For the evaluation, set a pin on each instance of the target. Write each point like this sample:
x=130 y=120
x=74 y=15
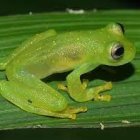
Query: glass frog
x=49 y=52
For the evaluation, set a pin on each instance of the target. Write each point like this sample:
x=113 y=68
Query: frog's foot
x=103 y=98
x=72 y=111
x=69 y=113
x=100 y=89
x=76 y=110
x=34 y=101
x=62 y=86
x=85 y=83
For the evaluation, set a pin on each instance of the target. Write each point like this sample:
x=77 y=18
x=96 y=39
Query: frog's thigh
x=40 y=96
x=23 y=98
x=37 y=90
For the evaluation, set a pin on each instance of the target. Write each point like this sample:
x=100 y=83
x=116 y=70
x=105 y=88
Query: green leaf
x=122 y=110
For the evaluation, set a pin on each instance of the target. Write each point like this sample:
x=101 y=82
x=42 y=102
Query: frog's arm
x=78 y=90
x=30 y=42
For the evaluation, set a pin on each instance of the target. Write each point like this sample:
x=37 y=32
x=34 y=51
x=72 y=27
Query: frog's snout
x=130 y=52
x=133 y=51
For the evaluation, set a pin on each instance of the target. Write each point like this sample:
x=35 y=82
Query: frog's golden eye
x=117 y=51
x=121 y=27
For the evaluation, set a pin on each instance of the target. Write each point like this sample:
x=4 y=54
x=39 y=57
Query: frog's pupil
x=119 y=51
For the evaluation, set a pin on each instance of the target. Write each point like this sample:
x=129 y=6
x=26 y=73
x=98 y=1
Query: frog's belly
x=42 y=71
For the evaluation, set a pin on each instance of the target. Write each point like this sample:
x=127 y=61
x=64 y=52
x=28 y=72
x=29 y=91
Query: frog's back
x=25 y=45
x=53 y=46
x=57 y=53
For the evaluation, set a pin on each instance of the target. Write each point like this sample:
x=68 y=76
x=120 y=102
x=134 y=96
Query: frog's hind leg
x=26 y=99
x=32 y=95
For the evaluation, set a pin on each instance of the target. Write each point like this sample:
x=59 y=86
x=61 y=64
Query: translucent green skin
x=48 y=53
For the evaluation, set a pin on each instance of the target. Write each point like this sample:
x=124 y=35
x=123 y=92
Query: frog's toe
x=85 y=83
x=72 y=116
x=108 y=85
x=62 y=86
x=103 y=98
x=75 y=110
x=71 y=112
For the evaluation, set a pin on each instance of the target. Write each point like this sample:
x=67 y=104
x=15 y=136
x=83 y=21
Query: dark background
x=71 y=134
x=8 y=7
x=12 y=7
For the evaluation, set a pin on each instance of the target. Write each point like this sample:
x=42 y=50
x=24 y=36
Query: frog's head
x=117 y=49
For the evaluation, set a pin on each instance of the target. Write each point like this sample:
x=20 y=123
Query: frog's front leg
x=79 y=91
x=32 y=95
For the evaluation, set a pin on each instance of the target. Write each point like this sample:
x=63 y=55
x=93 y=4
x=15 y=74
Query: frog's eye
x=121 y=27
x=117 y=51
x=116 y=28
